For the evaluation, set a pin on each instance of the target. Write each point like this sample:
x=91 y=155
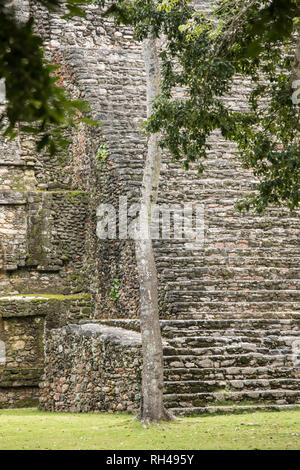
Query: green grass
x=33 y=429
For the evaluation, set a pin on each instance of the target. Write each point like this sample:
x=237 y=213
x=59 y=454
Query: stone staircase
x=239 y=364
x=229 y=364
x=230 y=310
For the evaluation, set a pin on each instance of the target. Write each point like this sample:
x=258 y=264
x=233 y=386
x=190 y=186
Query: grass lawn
x=33 y=429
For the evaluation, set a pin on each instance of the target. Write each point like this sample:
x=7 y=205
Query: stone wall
x=22 y=359
x=105 y=66
x=91 y=368
x=48 y=272
x=23 y=323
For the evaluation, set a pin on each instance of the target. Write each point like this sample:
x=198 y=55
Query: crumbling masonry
x=229 y=311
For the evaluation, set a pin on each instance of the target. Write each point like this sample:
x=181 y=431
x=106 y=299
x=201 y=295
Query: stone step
x=211 y=156
x=210 y=336
x=192 y=308
x=170 y=192
x=225 y=259
x=197 y=386
x=170 y=174
x=194 y=411
x=199 y=187
x=217 y=262
x=234 y=349
x=59 y=309
x=232 y=285
x=24 y=281
x=223 y=240
x=250 y=228
x=215 y=199
x=183 y=374
x=211 y=242
x=222 y=231
x=226 y=239
x=12 y=198
x=195 y=327
x=216 y=177
x=265 y=397
x=227 y=296
x=175 y=250
x=258 y=338
x=251 y=359
x=218 y=328
x=224 y=161
x=225 y=273
x=20 y=377
x=240 y=314
x=223 y=214
x=212 y=182
x=17 y=162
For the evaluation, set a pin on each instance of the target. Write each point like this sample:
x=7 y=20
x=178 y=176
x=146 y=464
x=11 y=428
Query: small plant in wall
x=115 y=290
x=101 y=155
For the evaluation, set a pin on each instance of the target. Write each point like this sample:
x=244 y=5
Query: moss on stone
x=45 y=297
x=26 y=403
x=9 y=376
x=77 y=197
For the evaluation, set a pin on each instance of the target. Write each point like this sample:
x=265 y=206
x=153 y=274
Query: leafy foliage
x=252 y=39
x=101 y=155
x=34 y=101
x=115 y=290
x=203 y=54
x=72 y=6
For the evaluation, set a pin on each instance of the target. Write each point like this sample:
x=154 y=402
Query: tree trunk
x=152 y=408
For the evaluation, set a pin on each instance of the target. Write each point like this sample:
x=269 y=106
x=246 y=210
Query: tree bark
x=152 y=407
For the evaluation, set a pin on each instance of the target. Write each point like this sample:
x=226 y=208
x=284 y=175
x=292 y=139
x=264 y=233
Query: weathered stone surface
x=230 y=310
x=92 y=368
